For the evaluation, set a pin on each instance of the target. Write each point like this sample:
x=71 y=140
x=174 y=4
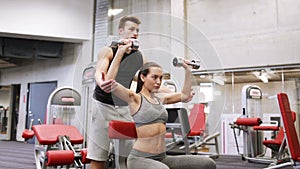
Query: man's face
x=130 y=31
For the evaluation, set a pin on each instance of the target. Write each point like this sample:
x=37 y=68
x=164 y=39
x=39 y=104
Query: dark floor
x=235 y=162
x=19 y=155
x=16 y=155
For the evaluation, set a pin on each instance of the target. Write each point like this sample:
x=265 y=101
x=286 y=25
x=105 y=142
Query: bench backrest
x=289 y=127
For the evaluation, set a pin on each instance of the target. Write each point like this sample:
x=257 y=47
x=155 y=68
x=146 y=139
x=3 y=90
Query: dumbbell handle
x=178 y=61
x=134 y=46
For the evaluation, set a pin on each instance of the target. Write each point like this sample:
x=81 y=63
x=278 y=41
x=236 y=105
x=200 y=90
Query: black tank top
x=129 y=65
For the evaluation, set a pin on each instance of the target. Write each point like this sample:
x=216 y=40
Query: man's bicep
x=102 y=65
x=104 y=58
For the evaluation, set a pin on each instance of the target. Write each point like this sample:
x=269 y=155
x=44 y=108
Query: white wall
x=67 y=72
x=60 y=20
x=221 y=34
x=69 y=20
x=247 y=33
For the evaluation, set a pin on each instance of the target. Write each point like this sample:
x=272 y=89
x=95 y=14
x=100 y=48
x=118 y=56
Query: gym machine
x=251 y=124
x=59 y=141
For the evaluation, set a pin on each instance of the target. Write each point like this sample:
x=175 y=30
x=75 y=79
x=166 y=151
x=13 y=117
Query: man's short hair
x=124 y=19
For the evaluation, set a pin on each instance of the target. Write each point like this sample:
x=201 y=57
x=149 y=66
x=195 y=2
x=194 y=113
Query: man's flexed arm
x=109 y=64
x=115 y=63
x=104 y=58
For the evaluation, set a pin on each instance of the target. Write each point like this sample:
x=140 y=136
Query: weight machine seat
x=48 y=134
x=248 y=121
x=119 y=132
x=122 y=130
x=275 y=143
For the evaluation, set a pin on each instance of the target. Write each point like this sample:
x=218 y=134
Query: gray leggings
x=170 y=162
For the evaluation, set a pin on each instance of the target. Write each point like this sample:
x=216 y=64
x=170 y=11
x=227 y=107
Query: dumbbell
x=114 y=42
x=178 y=61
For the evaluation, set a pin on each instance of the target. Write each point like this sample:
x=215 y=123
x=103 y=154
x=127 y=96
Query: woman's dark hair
x=144 y=70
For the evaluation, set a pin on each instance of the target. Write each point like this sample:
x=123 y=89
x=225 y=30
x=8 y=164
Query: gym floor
x=19 y=155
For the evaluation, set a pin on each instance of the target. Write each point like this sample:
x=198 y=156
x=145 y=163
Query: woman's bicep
x=125 y=94
x=171 y=98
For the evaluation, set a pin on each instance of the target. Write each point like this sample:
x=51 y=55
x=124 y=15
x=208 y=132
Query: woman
x=150 y=116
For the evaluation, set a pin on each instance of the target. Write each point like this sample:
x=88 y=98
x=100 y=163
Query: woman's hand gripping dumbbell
x=177 y=61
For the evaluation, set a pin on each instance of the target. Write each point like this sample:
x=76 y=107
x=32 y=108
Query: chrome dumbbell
x=178 y=61
x=114 y=42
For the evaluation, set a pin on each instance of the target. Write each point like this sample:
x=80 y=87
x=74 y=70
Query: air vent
x=29 y=49
x=48 y=50
x=18 y=48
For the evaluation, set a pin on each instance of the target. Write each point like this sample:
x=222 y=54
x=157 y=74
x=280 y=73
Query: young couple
x=115 y=101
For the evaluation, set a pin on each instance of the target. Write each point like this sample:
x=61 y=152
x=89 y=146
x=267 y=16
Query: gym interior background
x=237 y=42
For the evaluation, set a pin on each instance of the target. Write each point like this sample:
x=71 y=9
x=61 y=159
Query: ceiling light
x=202 y=76
x=262 y=75
x=113 y=12
x=263 y=78
x=219 y=80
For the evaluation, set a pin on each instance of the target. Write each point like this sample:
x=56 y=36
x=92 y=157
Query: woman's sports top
x=150 y=113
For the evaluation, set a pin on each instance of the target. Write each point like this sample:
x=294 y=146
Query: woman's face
x=153 y=79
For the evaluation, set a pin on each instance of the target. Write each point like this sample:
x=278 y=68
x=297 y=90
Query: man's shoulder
x=105 y=49
x=105 y=52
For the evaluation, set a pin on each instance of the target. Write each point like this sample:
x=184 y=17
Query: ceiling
x=249 y=75
x=6 y=64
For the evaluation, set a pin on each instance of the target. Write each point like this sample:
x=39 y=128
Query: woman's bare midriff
x=151 y=138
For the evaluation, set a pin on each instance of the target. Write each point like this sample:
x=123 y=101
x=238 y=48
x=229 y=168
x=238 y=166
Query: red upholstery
x=59 y=157
x=121 y=130
x=289 y=127
x=83 y=153
x=270 y=128
x=27 y=134
x=47 y=134
x=197 y=120
x=276 y=143
x=248 y=121
x=169 y=135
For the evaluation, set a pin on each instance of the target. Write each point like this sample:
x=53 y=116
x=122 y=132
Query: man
x=107 y=106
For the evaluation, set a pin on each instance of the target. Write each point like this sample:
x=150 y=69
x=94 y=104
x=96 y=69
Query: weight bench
x=119 y=132
x=244 y=124
x=278 y=144
x=57 y=145
x=290 y=133
x=191 y=126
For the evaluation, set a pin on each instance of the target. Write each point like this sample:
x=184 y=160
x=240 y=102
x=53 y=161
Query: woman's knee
x=210 y=164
